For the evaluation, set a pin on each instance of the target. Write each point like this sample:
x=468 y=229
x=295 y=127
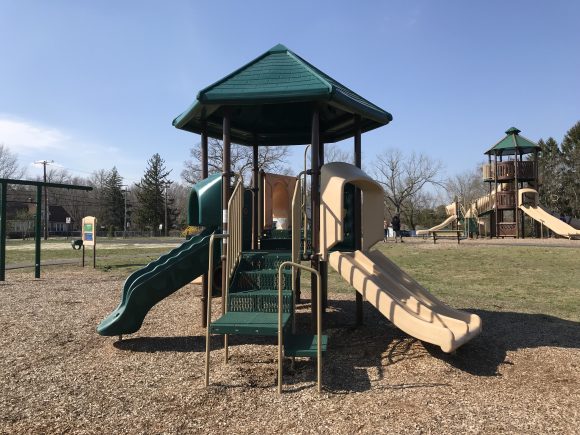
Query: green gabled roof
x=512 y=142
x=270 y=102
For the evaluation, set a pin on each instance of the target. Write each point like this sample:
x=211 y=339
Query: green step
x=245 y=323
x=265 y=301
x=263 y=279
x=303 y=345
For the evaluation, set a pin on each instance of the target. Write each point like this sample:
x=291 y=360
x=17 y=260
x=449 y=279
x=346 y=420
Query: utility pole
x=44 y=163
x=125 y=214
x=165 y=227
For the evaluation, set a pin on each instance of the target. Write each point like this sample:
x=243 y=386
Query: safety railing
x=234 y=241
x=506 y=200
x=488 y=171
x=318 y=322
x=485 y=203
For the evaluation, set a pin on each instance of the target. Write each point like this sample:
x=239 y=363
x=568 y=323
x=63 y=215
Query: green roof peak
x=513 y=130
x=513 y=143
x=279 y=48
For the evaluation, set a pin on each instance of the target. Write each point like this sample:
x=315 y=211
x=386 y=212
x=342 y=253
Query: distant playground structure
x=513 y=182
x=281 y=99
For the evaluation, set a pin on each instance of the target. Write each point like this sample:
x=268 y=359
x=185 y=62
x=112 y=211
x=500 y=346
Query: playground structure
x=513 y=191
x=280 y=99
x=513 y=194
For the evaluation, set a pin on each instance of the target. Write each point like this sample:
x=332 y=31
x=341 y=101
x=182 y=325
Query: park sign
x=89 y=231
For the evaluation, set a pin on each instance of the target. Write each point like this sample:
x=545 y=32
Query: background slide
x=154 y=282
x=438 y=227
x=402 y=300
x=552 y=222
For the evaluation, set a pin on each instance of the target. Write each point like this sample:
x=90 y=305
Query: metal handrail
x=235 y=212
x=209 y=297
x=318 y=323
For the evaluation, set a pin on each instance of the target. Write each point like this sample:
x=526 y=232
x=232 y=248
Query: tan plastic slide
x=402 y=300
x=442 y=225
x=550 y=221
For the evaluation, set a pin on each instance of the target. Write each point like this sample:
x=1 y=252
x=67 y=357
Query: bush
x=190 y=231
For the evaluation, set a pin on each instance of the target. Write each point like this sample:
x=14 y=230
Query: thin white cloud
x=24 y=137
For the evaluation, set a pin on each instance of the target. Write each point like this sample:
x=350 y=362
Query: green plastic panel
x=348 y=242
x=205 y=202
x=245 y=323
x=304 y=345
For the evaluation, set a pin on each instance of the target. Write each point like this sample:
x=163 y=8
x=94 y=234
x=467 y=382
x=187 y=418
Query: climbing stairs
x=252 y=304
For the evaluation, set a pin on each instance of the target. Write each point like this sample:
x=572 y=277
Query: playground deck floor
x=521 y=375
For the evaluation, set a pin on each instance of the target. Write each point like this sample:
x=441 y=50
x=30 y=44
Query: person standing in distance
x=396 y=223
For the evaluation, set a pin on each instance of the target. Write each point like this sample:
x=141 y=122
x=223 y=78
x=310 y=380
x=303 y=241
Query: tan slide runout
x=402 y=300
x=552 y=222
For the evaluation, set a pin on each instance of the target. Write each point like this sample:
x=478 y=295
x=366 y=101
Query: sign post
x=89 y=234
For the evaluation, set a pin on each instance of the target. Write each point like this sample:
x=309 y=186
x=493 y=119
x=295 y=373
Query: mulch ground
x=57 y=375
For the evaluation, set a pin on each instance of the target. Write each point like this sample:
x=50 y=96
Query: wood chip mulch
x=59 y=376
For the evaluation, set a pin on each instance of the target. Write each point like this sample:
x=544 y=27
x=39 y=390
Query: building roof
x=512 y=142
x=270 y=101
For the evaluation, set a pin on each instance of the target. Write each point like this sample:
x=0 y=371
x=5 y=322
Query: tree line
x=414 y=185
x=559 y=165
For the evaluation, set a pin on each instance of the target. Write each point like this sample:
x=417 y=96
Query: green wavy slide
x=147 y=286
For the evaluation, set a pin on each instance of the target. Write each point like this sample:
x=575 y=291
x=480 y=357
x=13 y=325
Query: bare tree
x=332 y=153
x=270 y=158
x=467 y=186
x=9 y=167
x=403 y=177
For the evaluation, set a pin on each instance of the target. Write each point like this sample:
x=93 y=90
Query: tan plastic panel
x=333 y=177
x=402 y=300
x=277 y=199
x=550 y=221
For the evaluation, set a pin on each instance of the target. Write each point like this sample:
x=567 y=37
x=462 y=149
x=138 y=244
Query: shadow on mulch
x=190 y=343
x=378 y=344
x=509 y=331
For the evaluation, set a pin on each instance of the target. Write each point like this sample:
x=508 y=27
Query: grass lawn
x=123 y=255
x=528 y=279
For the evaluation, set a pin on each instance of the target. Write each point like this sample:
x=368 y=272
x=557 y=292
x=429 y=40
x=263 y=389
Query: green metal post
x=3 y=187
x=37 y=232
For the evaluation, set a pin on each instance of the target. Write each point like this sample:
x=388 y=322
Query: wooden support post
x=357 y=212
x=495 y=212
x=255 y=195
x=315 y=207
x=516 y=190
x=204 y=175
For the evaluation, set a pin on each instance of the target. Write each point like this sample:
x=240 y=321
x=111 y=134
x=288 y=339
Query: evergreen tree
x=151 y=193
x=571 y=170
x=550 y=169
x=112 y=196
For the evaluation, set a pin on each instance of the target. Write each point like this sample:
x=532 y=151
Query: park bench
x=439 y=234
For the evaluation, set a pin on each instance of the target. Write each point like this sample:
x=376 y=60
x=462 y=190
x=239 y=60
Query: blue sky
x=96 y=84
